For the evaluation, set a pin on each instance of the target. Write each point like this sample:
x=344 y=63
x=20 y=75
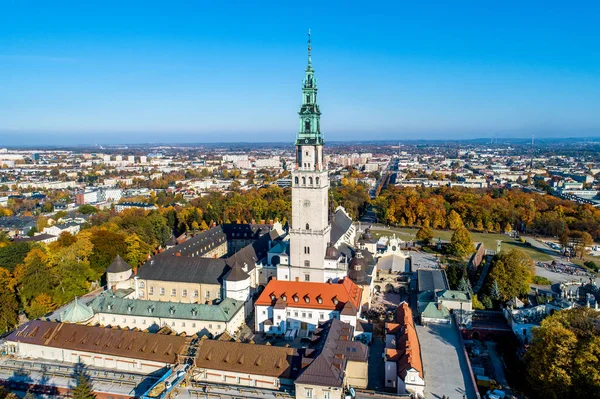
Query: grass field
x=488 y=239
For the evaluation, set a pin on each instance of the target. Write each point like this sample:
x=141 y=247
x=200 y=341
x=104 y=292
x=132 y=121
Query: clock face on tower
x=306 y=203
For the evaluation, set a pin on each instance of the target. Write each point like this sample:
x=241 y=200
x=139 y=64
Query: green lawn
x=488 y=239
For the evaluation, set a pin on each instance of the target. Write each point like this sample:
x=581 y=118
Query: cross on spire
x=309 y=48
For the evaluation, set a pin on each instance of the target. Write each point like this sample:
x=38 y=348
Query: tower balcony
x=311 y=232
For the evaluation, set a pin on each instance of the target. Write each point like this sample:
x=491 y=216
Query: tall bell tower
x=310 y=229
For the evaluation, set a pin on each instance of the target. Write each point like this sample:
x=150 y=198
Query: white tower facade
x=310 y=228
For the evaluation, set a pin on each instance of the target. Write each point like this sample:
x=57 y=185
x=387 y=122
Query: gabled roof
x=408 y=356
x=244 y=358
x=236 y=273
x=184 y=269
x=118 y=265
x=334 y=349
x=126 y=343
x=331 y=296
x=111 y=304
x=432 y=280
x=340 y=224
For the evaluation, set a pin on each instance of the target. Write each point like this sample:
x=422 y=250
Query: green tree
x=495 y=291
x=40 y=305
x=465 y=285
x=13 y=254
x=83 y=389
x=512 y=272
x=34 y=276
x=8 y=299
x=461 y=243
x=87 y=209
x=425 y=235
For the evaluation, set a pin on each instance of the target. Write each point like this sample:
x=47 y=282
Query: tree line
x=486 y=210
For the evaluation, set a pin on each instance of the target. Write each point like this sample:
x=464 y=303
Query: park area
x=488 y=239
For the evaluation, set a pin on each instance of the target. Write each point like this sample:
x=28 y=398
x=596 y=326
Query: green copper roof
x=310 y=114
x=454 y=295
x=76 y=312
x=432 y=312
x=224 y=311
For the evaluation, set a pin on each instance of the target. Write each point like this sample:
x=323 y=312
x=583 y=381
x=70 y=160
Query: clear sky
x=168 y=71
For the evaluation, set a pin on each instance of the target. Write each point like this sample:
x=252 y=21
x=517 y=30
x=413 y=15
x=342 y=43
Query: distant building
x=120 y=207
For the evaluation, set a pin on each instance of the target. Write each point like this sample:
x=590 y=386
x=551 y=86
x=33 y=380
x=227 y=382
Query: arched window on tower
x=317 y=180
x=296 y=180
x=307 y=226
x=304 y=180
x=310 y=181
x=308 y=99
x=307 y=125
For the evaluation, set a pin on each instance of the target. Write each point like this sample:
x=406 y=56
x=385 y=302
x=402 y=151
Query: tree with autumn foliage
x=425 y=235
x=563 y=356
x=8 y=300
x=461 y=243
x=510 y=275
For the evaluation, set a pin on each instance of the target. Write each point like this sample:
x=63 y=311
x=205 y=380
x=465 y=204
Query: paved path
x=444 y=363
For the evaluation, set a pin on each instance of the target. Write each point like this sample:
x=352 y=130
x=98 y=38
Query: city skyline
x=188 y=75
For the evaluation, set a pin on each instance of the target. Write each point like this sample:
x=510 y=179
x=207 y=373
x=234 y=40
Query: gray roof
x=197 y=245
x=177 y=264
x=118 y=265
x=37 y=238
x=432 y=280
x=16 y=222
x=183 y=269
x=393 y=262
x=236 y=273
x=340 y=224
x=111 y=304
x=334 y=348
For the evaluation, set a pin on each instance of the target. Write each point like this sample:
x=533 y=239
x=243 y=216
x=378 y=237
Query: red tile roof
x=302 y=294
x=408 y=342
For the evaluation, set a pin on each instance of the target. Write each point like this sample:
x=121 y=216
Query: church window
x=307 y=98
x=296 y=180
x=307 y=125
x=307 y=226
x=142 y=285
x=317 y=180
x=306 y=263
x=304 y=178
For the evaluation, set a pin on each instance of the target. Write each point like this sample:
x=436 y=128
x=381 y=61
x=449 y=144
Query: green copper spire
x=310 y=114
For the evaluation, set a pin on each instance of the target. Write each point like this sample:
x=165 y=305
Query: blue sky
x=99 y=72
